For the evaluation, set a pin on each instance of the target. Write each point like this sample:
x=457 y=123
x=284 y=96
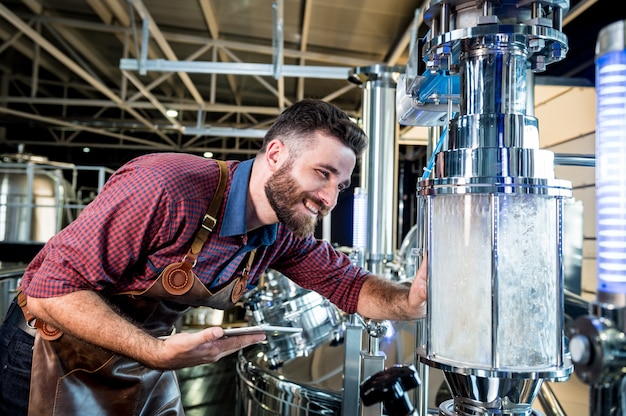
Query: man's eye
x=324 y=173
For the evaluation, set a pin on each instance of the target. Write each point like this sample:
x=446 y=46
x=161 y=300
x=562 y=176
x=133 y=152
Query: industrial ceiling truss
x=196 y=75
x=107 y=74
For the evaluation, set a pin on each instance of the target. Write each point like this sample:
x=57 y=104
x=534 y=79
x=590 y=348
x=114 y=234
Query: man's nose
x=328 y=195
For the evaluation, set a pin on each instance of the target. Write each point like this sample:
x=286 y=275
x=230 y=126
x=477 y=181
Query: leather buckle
x=211 y=222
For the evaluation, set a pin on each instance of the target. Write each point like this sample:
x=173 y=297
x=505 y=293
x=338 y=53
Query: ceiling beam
x=18 y=44
x=74 y=126
x=188 y=106
x=211 y=22
x=155 y=31
x=260 y=80
x=304 y=40
x=78 y=47
x=161 y=65
x=278 y=46
x=155 y=102
x=114 y=12
x=342 y=60
x=34 y=5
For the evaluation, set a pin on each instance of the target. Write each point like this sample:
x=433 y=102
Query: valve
x=390 y=387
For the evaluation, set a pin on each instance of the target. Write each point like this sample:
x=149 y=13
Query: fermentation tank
x=38 y=198
x=492 y=207
x=34 y=198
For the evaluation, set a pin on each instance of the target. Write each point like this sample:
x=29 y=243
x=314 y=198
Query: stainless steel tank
x=309 y=385
x=493 y=219
x=33 y=199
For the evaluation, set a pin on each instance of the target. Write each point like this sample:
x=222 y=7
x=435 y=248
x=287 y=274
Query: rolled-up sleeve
x=315 y=265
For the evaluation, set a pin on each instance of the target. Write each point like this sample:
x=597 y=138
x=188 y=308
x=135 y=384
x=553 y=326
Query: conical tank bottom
x=475 y=395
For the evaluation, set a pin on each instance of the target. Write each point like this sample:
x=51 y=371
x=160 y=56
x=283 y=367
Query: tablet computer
x=262 y=329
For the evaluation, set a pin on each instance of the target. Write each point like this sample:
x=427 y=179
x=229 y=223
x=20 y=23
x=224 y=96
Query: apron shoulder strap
x=210 y=218
x=177 y=278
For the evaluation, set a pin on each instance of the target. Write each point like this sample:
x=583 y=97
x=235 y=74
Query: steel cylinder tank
x=33 y=199
x=493 y=221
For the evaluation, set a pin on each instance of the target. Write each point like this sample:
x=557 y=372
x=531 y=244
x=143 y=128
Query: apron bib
x=71 y=377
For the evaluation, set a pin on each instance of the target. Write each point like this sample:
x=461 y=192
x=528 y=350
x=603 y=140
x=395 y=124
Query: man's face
x=305 y=188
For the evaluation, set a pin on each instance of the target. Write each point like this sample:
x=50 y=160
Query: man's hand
x=187 y=349
x=418 y=293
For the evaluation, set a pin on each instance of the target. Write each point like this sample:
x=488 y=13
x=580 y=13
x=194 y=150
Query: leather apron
x=71 y=377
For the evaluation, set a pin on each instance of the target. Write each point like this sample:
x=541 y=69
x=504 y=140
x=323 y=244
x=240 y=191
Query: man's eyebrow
x=335 y=172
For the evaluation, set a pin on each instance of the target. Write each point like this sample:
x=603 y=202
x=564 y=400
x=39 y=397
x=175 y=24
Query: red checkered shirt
x=145 y=218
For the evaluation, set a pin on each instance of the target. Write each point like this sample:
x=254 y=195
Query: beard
x=284 y=194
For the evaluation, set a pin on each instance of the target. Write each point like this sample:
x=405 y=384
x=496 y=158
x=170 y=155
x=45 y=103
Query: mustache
x=323 y=210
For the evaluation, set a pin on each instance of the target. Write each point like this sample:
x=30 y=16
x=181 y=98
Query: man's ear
x=275 y=154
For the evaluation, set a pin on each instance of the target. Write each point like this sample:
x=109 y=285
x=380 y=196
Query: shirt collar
x=234 y=219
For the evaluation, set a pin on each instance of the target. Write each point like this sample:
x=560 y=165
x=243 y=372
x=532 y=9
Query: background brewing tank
x=33 y=199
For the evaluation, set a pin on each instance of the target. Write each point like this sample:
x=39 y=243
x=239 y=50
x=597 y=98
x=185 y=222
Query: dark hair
x=300 y=120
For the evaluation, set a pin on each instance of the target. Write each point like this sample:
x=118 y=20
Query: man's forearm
x=86 y=316
x=383 y=299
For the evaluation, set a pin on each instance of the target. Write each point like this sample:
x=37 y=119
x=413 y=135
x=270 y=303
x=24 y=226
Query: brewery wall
x=567 y=123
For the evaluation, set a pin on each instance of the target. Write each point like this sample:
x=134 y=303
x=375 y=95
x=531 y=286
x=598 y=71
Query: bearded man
x=91 y=330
